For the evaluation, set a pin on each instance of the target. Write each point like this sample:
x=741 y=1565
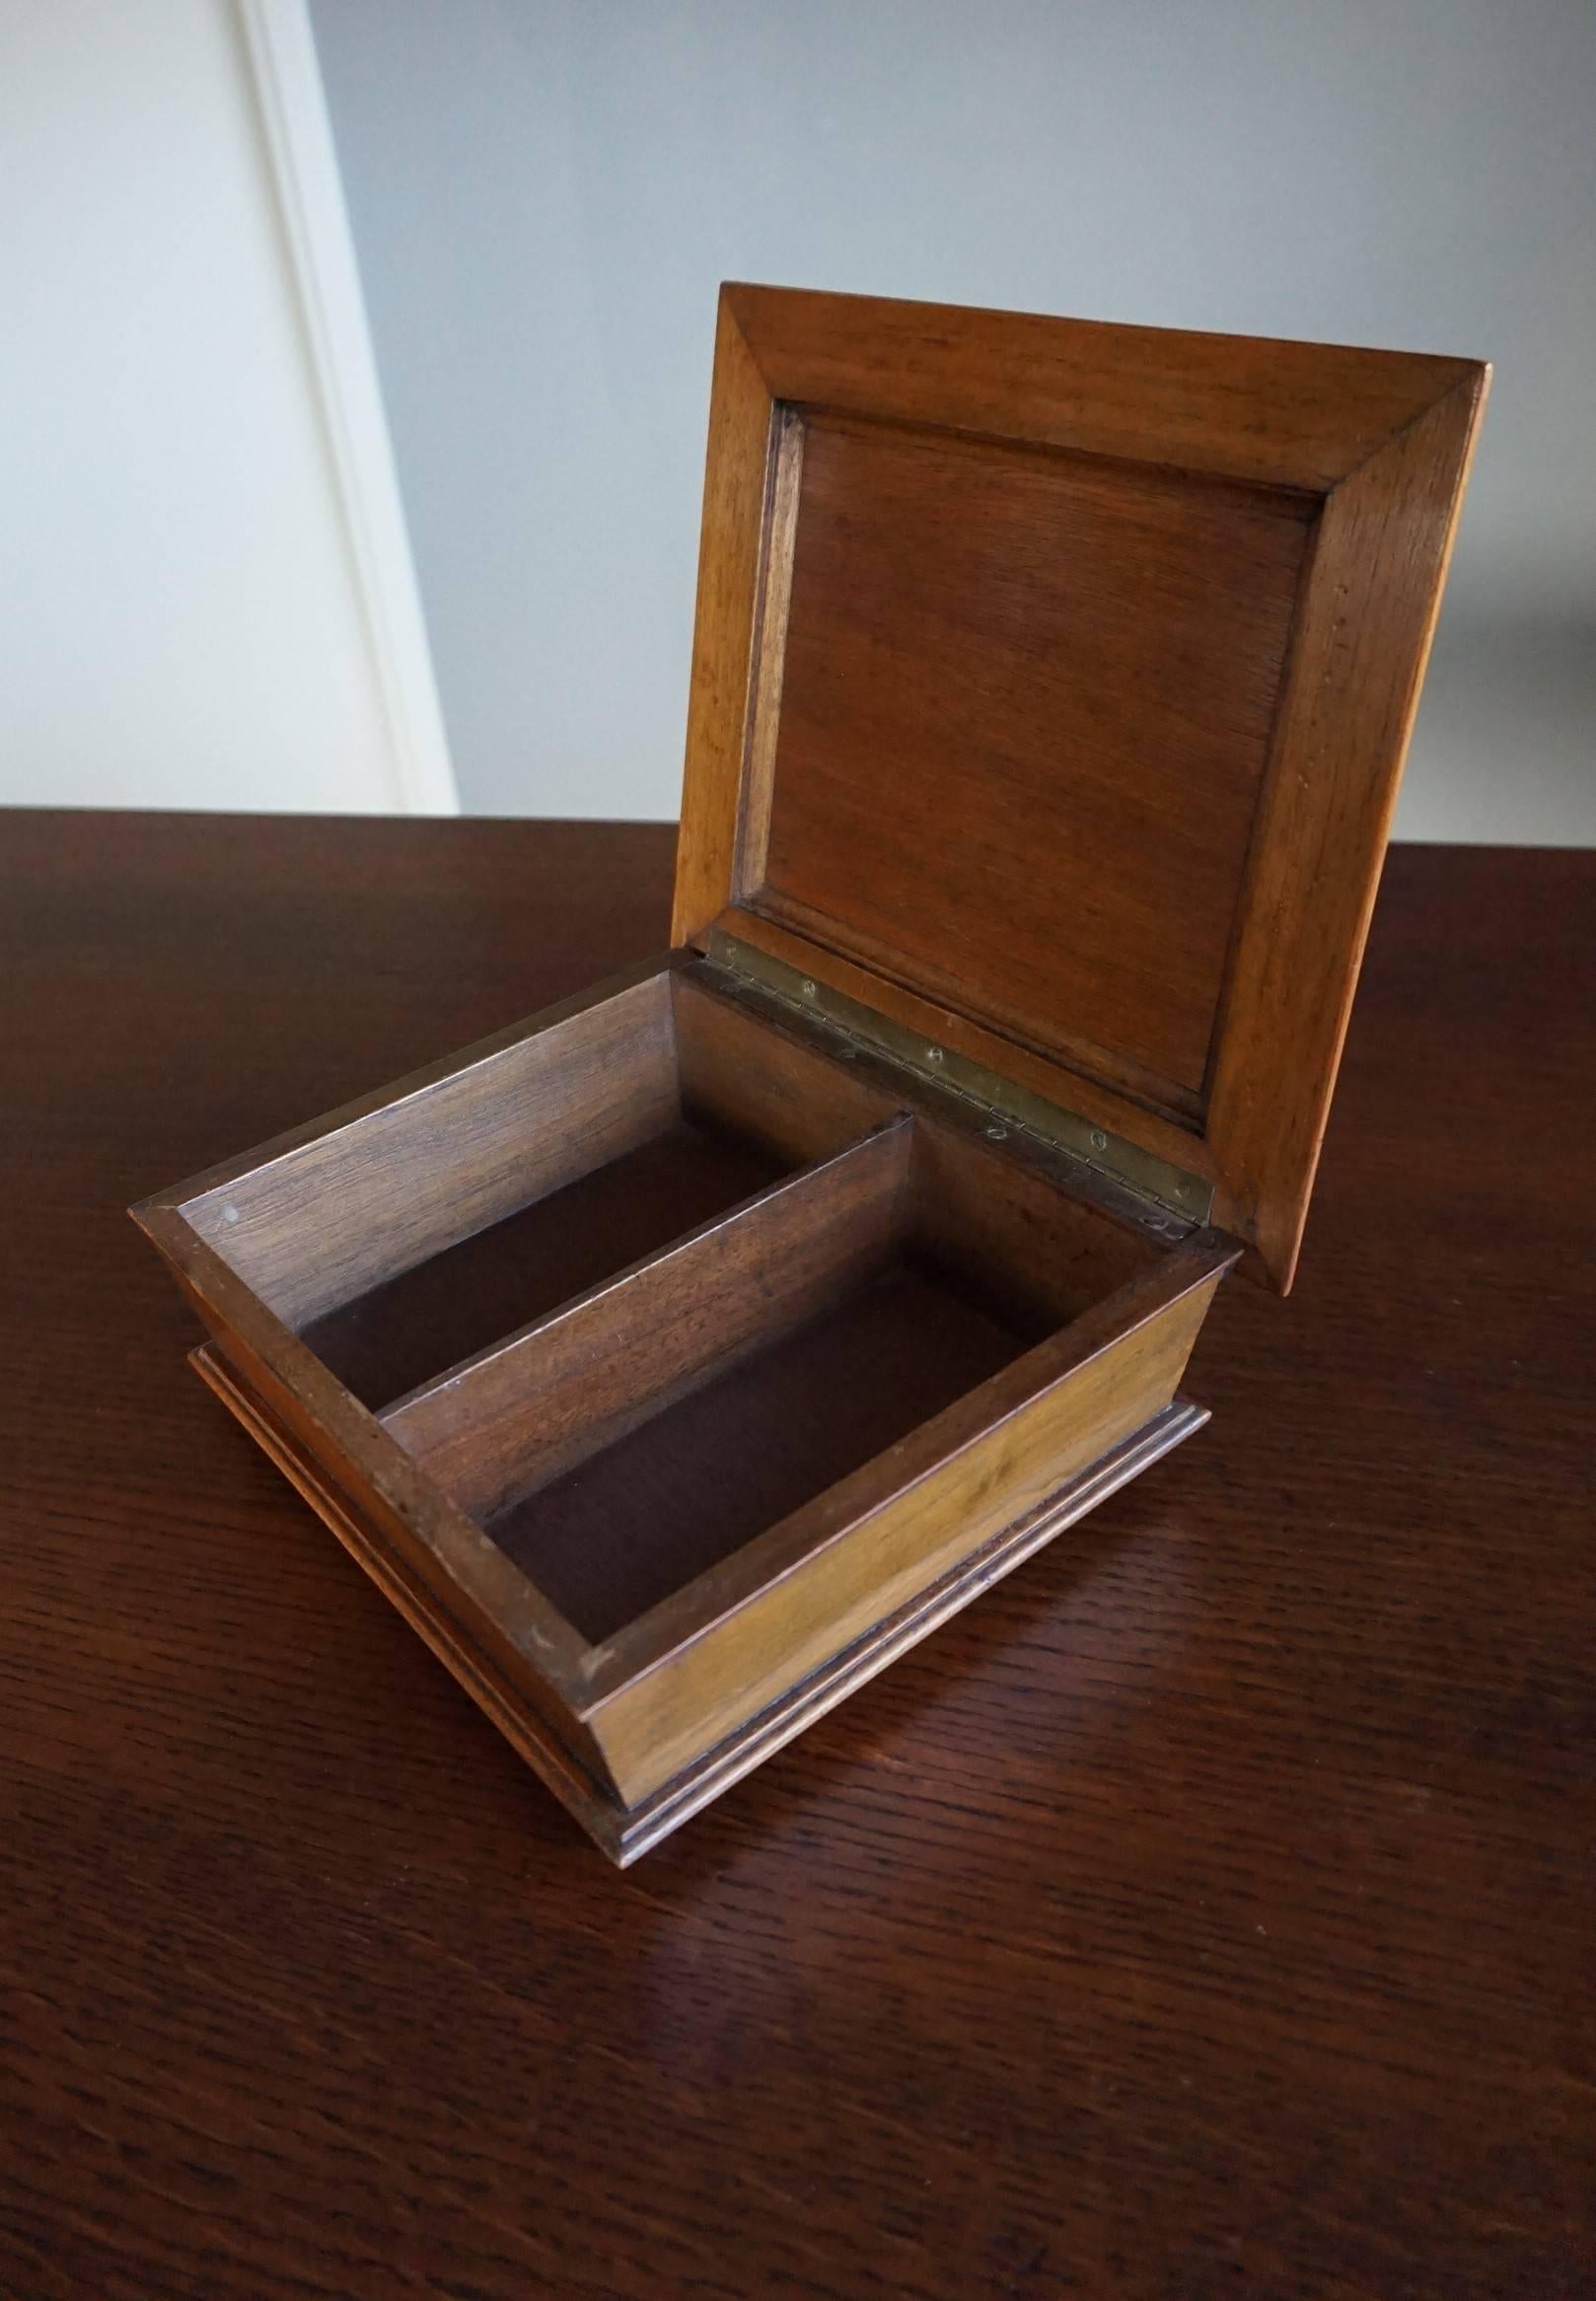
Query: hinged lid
x=1051 y=686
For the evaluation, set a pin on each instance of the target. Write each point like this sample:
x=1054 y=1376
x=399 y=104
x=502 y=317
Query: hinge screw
x=933 y=1055
x=1100 y=1141
x=997 y=1133
x=807 y=988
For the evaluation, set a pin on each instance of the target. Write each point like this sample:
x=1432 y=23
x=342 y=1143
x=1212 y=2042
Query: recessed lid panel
x=1025 y=711
x=1051 y=687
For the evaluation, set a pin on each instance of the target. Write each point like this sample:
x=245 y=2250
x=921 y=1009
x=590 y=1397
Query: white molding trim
x=280 y=49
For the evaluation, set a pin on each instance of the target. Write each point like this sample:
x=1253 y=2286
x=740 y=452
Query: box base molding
x=624 y=1833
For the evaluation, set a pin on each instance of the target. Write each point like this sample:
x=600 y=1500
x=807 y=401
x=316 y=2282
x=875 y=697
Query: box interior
x=784 y=1425
x=394 y=1336
x=638 y=1288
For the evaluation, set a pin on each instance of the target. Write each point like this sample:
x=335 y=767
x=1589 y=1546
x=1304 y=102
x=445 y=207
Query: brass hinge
x=1149 y=1191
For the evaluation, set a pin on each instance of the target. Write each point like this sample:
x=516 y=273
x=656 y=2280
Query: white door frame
x=280 y=50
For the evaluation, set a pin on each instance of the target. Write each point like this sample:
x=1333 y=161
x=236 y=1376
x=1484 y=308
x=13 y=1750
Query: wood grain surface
x=1137 y=620
x=568 y=1386
x=1207 y=1912
x=1026 y=709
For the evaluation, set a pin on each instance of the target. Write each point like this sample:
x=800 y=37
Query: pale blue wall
x=545 y=197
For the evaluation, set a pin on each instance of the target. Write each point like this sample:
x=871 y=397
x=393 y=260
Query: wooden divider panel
x=515 y=1419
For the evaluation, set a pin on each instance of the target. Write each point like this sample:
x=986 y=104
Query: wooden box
x=678 y=1357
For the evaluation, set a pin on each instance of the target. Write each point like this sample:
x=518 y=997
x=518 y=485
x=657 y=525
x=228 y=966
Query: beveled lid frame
x=1379 y=441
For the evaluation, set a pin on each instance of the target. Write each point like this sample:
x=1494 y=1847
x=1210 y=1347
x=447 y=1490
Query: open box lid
x=1051 y=687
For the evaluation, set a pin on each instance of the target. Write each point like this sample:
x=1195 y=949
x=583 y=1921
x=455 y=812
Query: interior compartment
x=425 y=1229
x=391 y=1338
x=623 y=1446
x=637 y=1436
x=643 y=1285
x=627 y=1441
x=752 y=1446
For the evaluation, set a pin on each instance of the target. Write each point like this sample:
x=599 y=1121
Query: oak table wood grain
x=1208 y=1909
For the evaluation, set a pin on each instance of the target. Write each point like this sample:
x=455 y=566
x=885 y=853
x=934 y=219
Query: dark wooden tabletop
x=1208 y=1910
